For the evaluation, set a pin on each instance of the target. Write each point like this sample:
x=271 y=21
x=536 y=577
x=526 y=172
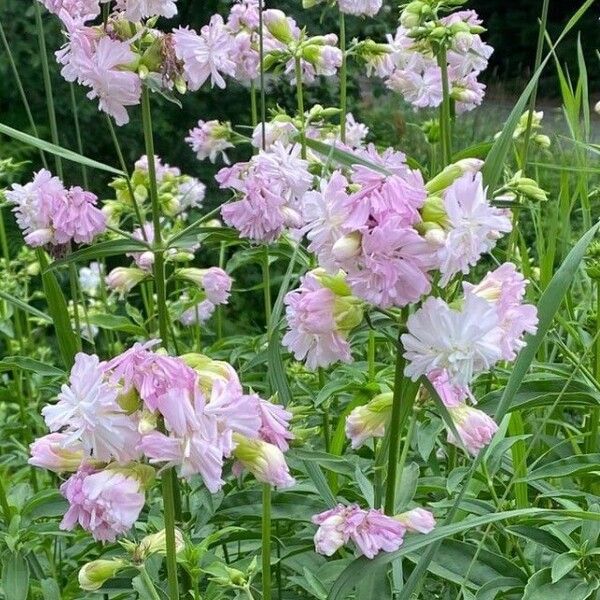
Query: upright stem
x=343 y=79
x=300 y=101
x=47 y=84
x=592 y=440
x=73 y=284
x=167 y=480
x=266 y=542
x=403 y=398
x=75 y=112
x=445 y=119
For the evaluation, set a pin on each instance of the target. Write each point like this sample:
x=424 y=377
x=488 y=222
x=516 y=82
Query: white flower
x=464 y=342
x=87 y=410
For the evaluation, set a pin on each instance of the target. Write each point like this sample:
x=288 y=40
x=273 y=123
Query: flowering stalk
x=343 y=79
x=445 y=119
x=168 y=481
x=402 y=402
x=300 y=101
x=266 y=541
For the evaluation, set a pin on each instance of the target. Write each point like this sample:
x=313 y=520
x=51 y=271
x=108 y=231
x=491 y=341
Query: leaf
x=343 y=157
x=57 y=307
x=15 y=577
x=116 y=323
x=50 y=589
x=565 y=467
x=101 y=250
x=57 y=150
x=540 y=587
x=18 y=303
x=29 y=364
x=563 y=564
x=315 y=473
x=44 y=504
x=489 y=591
x=407 y=486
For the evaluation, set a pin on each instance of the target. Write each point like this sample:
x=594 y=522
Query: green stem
x=73 y=284
x=261 y=54
x=445 y=119
x=267 y=287
x=22 y=93
x=75 y=112
x=47 y=84
x=371 y=356
x=266 y=542
x=300 y=102
x=167 y=480
x=533 y=97
x=4 y=503
x=401 y=406
x=343 y=79
x=592 y=440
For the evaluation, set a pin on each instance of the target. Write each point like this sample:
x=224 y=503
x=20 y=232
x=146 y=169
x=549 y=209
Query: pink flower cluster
x=371 y=233
x=49 y=213
x=370 y=530
x=270 y=188
x=105 y=424
x=319 y=317
x=451 y=345
x=412 y=70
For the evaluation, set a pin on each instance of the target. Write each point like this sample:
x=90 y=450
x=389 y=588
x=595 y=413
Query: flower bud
x=156 y=543
x=278 y=25
x=412 y=14
x=452 y=172
x=417 y=520
x=129 y=401
x=93 y=575
x=336 y=283
x=56 y=453
x=433 y=211
x=542 y=140
x=265 y=461
x=369 y=420
x=592 y=262
x=348 y=246
x=348 y=312
x=123 y=279
x=147 y=423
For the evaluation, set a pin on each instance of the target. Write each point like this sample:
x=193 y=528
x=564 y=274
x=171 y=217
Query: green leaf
x=101 y=250
x=29 y=364
x=563 y=564
x=57 y=150
x=25 y=307
x=50 y=589
x=15 y=577
x=44 y=504
x=57 y=307
x=540 y=587
x=565 y=467
x=116 y=323
x=489 y=591
x=315 y=473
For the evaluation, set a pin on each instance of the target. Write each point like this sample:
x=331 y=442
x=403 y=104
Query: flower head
x=369 y=420
x=56 y=452
x=474 y=427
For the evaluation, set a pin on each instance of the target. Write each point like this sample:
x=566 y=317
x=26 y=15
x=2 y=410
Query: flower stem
x=167 y=480
x=592 y=440
x=402 y=403
x=47 y=84
x=266 y=542
x=300 y=101
x=445 y=119
x=343 y=79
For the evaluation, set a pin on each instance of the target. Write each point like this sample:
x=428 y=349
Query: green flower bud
x=93 y=575
x=412 y=14
x=278 y=25
x=433 y=211
x=452 y=172
x=336 y=283
x=156 y=543
x=129 y=401
x=348 y=312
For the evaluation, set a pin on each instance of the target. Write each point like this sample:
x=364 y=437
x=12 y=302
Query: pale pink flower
x=275 y=424
x=462 y=341
x=474 y=427
x=78 y=10
x=326 y=213
x=369 y=420
x=360 y=7
x=419 y=89
x=451 y=394
x=275 y=131
x=378 y=532
x=246 y=56
x=87 y=411
x=136 y=10
x=265 y=461
x=468 y=93
x=77 y=218
x=217 y=285
x=106 y=73
x=473 y=226
x=370 y=530
x=314 y=334
x=199 y=313
x=194 y=453
x=56 y=452
x=391 y=269
x=417 y=520
x=209 y=139
x=35 y=204
x=327 y=59
x=190 y=194
x=144 y=260
x=243 y=15
x=356 y=132
x=505 y=289
x=106 y=503
x=209 y=54
x=336 y=525
x=163 y=170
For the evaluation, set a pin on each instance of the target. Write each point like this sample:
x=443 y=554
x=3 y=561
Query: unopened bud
x=452 y=172
x=278 y=25
x=93 y=575
x=348 y=246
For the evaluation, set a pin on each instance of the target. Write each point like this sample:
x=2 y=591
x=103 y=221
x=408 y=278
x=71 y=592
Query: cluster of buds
x=526 y=187
x=532 y=123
